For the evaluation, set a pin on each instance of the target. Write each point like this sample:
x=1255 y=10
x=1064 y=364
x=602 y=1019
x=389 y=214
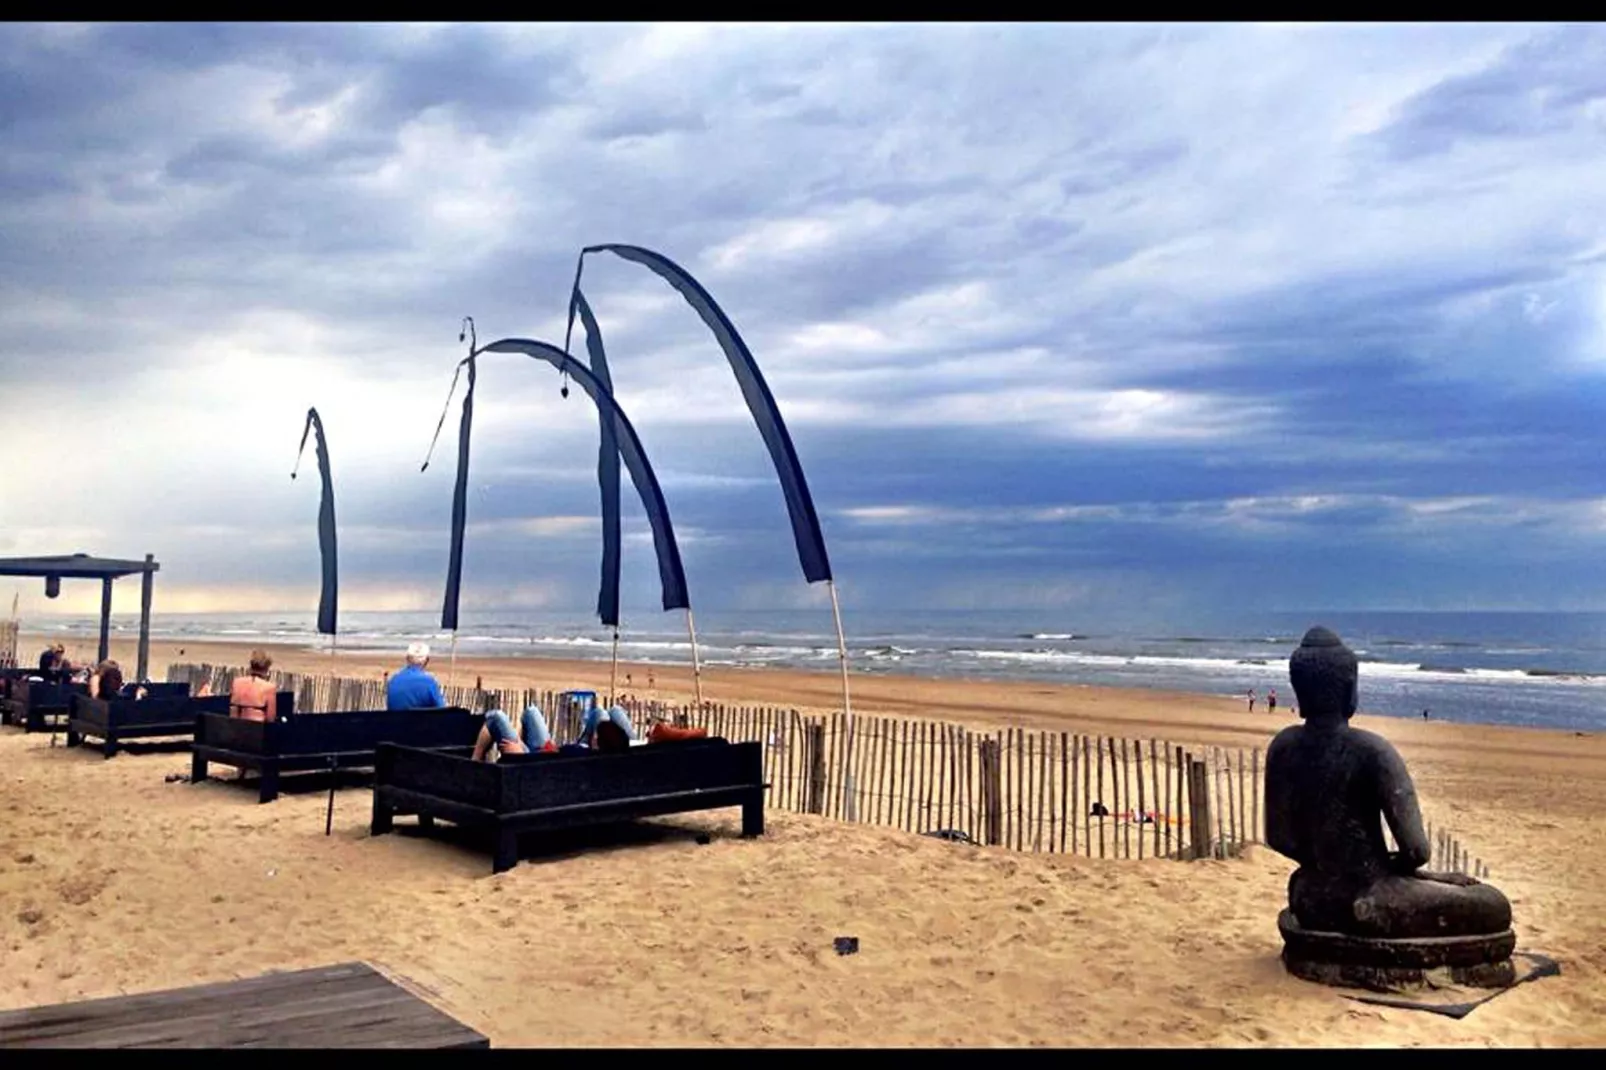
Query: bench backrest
x=563 y=780
x=147 y=710
x=326 y=733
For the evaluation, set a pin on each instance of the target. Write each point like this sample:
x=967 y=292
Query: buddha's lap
x=1400 y=907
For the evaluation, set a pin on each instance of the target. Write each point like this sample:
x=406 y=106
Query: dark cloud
x=1053 y=315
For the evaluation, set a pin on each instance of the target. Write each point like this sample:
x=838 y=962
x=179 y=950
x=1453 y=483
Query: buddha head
x=1325 y=675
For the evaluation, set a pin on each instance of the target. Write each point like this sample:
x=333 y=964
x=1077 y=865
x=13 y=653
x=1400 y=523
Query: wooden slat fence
x=1038 y=791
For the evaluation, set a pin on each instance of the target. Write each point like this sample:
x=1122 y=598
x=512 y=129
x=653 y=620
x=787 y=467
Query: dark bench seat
x=148 y=718
x=39 y=706
x=317 y=741
x=526 y=793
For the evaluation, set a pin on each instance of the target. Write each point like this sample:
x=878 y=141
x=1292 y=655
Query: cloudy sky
x=1068 y=316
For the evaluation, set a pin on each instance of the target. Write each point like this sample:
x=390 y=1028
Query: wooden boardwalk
x=346 y=1006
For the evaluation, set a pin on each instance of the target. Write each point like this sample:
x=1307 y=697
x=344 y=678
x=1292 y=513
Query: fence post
x=992 y=795
x=816 y=752
x=1199 y=807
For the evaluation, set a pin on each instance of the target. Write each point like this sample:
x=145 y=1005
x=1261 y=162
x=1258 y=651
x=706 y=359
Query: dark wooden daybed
x=526 y=793
x=39 y=706
x=151 y=717
x=313 y=741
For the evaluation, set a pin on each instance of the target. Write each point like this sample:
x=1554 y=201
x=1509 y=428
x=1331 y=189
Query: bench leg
x=109 y=748
x=384 y=817
x=73 y=738
x=426 y=821
x=507 y=850
x=753 y=815
x=268 y=786
x=197 y=767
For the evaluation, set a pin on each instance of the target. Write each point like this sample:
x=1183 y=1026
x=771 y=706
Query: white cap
x=418 y=653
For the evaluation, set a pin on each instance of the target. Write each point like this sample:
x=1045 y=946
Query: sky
x=1070 y=318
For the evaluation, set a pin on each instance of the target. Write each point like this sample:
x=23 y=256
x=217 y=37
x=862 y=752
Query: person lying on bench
x=532 y=735
x=253 y=696
x=596 y=715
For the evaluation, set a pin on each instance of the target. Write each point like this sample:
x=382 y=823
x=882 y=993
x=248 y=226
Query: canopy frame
x=105 y=569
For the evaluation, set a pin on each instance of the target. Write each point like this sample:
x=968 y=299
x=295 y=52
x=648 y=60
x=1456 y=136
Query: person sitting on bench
x=107 y=681
x=253 y=697
x=532 y=735
x=413 y=688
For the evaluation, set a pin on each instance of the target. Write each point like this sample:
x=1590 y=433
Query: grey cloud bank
x=1308 y=316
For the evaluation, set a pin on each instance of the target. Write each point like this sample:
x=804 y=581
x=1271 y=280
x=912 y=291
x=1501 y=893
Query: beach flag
x=607 y=469
x=328 y=599
x=629 y=449
x=760 y=402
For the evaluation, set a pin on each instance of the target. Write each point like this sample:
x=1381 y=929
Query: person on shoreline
x=1251 y=700
x=413 y=688
x=252 y=697
x=1271 y=701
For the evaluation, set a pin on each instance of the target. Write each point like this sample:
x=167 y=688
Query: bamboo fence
x=1037 y=791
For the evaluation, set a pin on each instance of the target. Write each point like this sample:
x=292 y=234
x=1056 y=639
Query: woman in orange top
x=252 y=697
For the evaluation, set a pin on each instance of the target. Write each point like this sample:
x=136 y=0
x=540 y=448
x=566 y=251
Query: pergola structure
x=104 y=569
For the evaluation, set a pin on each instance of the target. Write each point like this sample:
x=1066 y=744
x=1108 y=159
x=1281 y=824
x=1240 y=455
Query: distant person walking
x=413 y=688
x=1251 y=700
x=1271 y=701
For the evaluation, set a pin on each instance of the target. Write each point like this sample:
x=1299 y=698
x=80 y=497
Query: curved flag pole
x=806 y=533
x=328 y=598
x=670 y=570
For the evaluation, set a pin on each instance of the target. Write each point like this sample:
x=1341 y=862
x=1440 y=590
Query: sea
x=1532 y=669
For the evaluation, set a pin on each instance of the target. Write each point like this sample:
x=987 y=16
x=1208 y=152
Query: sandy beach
x=113 y=880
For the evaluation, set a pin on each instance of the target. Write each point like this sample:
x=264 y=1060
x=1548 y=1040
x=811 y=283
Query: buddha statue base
x=1344 y=961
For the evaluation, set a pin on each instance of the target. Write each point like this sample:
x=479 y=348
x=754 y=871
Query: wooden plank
x=350 y=1005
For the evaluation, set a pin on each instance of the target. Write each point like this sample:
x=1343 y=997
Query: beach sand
x=113 y=881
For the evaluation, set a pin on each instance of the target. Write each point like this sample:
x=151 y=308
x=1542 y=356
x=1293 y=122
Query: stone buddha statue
x=1329 y=790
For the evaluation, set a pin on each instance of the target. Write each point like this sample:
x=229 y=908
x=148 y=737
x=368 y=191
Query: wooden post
x=147 y=583
x=105 y=621
x=1098 y=746
x=1086 y=807
x=816 y=768
x=1199 y=789
x=1154 y=783
x=992 y=774
x=1126 y=802
x=1137 y=747
x=1067 y=789
x=1254 y=795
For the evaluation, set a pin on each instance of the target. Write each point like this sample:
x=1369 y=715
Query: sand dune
x=113 y=880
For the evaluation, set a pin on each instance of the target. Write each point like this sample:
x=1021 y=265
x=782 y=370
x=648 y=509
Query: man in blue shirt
x=413 y=688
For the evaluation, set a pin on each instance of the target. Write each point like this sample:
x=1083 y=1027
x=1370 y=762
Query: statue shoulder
x=1283 y=740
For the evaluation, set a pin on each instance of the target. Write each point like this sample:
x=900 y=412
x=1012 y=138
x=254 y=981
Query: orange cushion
x=666 y=733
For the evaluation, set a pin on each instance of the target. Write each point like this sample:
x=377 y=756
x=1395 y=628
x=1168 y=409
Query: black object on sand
x=846 y=945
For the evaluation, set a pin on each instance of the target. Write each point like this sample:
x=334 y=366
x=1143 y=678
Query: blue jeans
x=532 y=732
x=594 y=716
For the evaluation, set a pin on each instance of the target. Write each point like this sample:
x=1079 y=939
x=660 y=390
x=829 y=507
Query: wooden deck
x=346 y=1006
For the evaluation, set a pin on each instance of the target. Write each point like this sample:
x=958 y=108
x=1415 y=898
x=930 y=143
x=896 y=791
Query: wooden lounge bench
x=525 y=793
x=120 y=719
x=351 y=1005
x=39 y=707
x=312 y=741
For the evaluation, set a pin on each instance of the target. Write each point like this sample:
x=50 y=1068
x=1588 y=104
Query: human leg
x=617 y=715
x=534 y=728
x=498 y=729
